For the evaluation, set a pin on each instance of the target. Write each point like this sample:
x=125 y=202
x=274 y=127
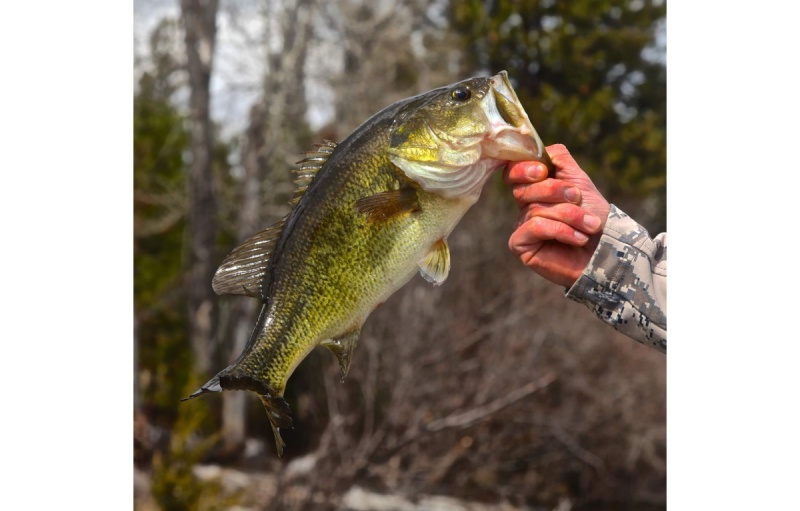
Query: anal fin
x=343 y=347
x=436 y=265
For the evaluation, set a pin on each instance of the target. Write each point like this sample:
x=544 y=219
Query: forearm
x=625 y=282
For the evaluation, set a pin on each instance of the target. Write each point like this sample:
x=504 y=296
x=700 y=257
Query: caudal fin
x=232 y=378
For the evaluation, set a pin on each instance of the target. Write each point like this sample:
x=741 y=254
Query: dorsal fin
x=309 y=166
x=242 y=272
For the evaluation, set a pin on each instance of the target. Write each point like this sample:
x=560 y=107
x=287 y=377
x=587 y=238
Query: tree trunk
x=242 y=314
x=199 y=18
x=269 y=141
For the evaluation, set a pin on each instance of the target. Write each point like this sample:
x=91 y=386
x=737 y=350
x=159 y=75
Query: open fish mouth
x=452 y=146
x=512 y=136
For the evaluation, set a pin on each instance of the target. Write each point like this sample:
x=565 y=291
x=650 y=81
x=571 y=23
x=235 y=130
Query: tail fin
x=278 y=411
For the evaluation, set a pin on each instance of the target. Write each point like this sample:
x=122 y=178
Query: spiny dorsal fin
x=436 y=265
x=242 y=272
x=388 y=204
x=309 y=166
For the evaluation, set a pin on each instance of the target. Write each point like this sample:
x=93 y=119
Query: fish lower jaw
x=511 y=145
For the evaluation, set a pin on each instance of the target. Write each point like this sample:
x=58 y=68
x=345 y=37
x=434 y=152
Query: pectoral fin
x=436 y=265
x=388 y=204
x=343 y=347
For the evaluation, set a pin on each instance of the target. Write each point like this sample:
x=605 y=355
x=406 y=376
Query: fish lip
x=516 y=127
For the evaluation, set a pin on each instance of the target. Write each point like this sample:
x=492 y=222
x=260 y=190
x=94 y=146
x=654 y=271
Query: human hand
x=561 y=219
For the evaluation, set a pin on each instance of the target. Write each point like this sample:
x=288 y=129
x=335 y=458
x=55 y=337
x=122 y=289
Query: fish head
x=451 y=139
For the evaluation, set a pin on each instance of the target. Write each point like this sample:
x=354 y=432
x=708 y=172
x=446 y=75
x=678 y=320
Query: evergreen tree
x=160 y=140
x=592 y=75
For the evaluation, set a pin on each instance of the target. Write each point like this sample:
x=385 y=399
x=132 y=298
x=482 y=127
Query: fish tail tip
x=280 y=416
x=213 y=385
x=279 y=443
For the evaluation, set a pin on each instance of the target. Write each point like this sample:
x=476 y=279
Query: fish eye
x=461 y=93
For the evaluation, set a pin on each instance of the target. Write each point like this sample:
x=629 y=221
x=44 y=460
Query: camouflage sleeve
x=625 y=283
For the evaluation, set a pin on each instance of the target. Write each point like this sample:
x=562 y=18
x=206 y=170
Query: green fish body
x=371 y=212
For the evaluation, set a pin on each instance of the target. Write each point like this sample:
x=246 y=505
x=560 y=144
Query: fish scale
x=370 y=212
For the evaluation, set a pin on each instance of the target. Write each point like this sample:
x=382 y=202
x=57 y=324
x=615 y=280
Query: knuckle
x=520 y=193
x=576 y=216
x=553 y=187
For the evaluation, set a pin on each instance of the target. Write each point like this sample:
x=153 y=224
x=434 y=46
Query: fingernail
x=580 y=236
x=536 y=171
x=591 y=221
x=573 y=195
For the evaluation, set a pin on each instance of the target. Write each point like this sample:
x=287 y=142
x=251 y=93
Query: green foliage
x=175 y=486
x=580 y=70
x=160 y=139
x=159 y=197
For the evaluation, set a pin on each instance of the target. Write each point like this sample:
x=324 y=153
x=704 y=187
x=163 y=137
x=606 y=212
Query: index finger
x=524 y=172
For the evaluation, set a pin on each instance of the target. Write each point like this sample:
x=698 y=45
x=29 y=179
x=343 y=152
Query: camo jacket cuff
x=625 y=282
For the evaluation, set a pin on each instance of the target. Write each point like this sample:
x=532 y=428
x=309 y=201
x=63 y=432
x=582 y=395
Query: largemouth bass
x=370 y=213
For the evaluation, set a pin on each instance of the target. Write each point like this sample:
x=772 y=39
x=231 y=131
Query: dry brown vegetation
x=493 y=387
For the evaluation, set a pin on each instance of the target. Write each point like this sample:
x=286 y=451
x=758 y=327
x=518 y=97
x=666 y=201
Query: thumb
x=567 y=169
x=566 y=166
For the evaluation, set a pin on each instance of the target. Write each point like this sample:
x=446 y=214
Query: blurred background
x=492 y=391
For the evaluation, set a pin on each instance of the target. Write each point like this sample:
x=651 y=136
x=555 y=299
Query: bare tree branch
x=468 y=418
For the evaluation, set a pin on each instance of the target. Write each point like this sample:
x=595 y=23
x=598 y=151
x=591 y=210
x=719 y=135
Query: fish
x=369 y=213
